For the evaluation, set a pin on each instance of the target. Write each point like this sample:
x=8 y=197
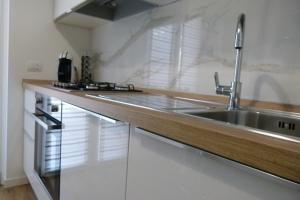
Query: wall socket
x=34 y=66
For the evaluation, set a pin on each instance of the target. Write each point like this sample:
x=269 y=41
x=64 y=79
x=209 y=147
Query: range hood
x=115 y=9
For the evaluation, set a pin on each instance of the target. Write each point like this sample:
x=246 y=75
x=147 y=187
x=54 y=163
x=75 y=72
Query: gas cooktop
x=95 y=86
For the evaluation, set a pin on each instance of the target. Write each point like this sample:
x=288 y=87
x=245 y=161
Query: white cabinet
x=29 y=129
x=161 y=169
x=29 y=101
x=93 y=156
x=62 y=7
x=29 y=124
x=28 y=155
x=31 y=175
x=29 y=146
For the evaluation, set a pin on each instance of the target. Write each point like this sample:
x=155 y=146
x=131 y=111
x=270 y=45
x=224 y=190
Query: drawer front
x=29 y=124
x=28 y=155
x=29 y=101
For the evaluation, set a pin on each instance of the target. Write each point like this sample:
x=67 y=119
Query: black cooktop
x=96 y=86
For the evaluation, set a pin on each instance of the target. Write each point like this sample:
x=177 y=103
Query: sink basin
x=276 y=123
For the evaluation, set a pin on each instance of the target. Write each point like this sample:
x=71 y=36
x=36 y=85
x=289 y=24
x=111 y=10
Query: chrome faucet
x=234 y=91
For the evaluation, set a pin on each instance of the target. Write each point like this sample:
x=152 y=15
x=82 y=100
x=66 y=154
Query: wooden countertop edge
x=277 y=156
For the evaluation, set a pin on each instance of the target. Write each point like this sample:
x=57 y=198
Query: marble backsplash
x=179 y=46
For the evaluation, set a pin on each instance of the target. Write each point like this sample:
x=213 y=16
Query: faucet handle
x=221 y=89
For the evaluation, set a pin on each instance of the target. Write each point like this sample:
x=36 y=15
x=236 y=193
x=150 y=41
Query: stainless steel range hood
x=115 y=9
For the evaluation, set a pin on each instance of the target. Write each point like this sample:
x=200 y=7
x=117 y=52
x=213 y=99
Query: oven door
x=47 y=152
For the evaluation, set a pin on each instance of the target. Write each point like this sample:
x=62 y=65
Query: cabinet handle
x=37 y=117
x=220 y=159
x=161 y=138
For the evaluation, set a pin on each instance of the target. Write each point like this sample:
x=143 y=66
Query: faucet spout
x=240 y=32
x=234 y=91
x=236 y=85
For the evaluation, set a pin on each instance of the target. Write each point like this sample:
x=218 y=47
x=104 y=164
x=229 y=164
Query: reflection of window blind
x=190 y=47
x=113 y=141
x=74 y=137
x=161 y=56
x=52 y=152
x=175 y=49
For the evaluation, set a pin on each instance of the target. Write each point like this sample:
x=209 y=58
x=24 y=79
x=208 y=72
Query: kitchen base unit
x=93 y=156
x=162 y=169
x=30 y=124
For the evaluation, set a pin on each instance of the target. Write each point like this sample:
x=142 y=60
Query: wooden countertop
x=278 y=156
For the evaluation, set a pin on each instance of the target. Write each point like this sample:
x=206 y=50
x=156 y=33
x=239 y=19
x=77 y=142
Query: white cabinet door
x=29 y=131
x=65 y=6
x=161 y=169
x=93 y=156
x=29 y=124
x=29 y=101
x=28 y=155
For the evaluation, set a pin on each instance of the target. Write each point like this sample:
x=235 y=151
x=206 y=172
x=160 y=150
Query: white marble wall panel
x=181 y=45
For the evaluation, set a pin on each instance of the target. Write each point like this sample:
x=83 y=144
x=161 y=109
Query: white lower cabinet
x=29 y=131
x=29 y=100
x=29 y=146
x=28 y=155
x=93 y=156
x=99 y=161
x=161 y=169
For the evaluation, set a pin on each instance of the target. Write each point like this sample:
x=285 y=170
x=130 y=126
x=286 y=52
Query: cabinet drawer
x=29 y=101
x=29 y=124
x=28 y=155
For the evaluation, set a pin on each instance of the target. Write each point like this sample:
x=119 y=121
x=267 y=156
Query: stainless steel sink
x=273 y=122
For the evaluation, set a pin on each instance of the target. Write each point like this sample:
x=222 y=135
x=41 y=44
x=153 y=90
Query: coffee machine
x=65 y=68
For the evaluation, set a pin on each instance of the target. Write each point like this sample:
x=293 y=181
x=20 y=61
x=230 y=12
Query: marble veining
x=181 y=45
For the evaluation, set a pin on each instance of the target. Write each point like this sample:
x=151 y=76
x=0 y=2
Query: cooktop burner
x=96 y=86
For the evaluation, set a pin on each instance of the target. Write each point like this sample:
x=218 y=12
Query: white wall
x=271 y=65
x=34 y=38
x=1 y=63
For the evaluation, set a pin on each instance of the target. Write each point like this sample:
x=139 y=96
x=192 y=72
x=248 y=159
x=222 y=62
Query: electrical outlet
x=34 y=66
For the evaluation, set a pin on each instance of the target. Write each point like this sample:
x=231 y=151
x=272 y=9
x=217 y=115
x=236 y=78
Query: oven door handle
x=38 y=118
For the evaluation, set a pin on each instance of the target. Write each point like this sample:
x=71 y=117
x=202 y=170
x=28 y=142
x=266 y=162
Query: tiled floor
x=23 y=192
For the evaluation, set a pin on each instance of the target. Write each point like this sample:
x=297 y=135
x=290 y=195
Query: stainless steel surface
x=156 y=102
x=47 y=123
x=281 y=123
x=276 y=123
x=49 y=105
x=86 y=71
x=234 y=91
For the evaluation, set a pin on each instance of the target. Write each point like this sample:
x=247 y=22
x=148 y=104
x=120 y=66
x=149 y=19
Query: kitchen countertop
x=276 y=155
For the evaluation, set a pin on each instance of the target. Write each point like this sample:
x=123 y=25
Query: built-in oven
x=48 y=127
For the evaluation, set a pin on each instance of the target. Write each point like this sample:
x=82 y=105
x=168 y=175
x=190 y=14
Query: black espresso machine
x=65 y=68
